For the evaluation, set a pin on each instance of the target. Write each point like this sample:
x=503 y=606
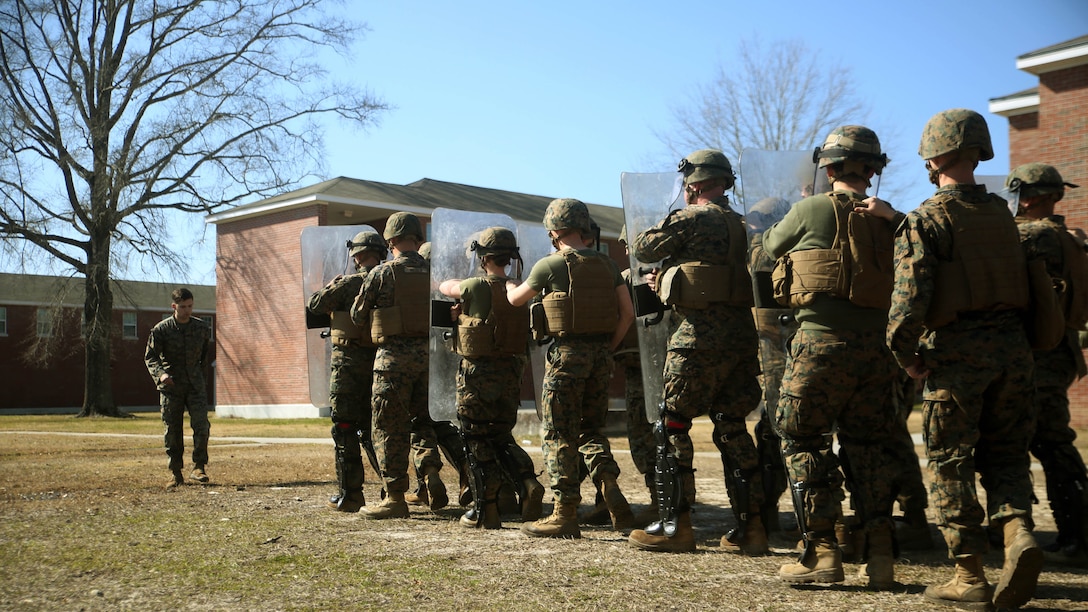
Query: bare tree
x=117 y=112
x=780 y=97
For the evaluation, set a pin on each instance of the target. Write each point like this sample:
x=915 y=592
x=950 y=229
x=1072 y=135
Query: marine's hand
x=917 y=369
x=876 y=207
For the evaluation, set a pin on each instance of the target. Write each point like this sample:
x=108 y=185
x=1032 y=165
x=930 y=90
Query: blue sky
x=558 y=98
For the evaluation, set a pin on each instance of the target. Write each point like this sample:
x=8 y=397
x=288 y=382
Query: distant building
x=1049 y=124
x=41 y=350
x=262 y=366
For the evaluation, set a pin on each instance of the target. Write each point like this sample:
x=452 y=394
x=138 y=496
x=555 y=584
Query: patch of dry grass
x=85 y=523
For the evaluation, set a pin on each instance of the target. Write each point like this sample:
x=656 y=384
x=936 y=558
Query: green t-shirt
x=551 y=274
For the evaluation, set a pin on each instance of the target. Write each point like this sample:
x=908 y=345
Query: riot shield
x=647 y=199
x=324 y=256
x=535 y=245
x=996 y=184
x=452 y=234
x=772 y=181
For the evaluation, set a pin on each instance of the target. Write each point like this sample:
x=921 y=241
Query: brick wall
x=1058 y=135
x=58 y=383
x=261 y=316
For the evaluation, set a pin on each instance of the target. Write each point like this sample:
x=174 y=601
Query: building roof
x=1019 y=103
x=1055 y=57
x=38 y=290
x=353 y=199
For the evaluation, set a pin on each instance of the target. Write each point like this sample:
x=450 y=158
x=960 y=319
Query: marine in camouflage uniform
x=956 y=321
x=839 y=374
x=588 y=313
x=177 y=350
x=394 y=301
x=352 y=370
x=1044 y=234
x=711 y=366
x=492 y=339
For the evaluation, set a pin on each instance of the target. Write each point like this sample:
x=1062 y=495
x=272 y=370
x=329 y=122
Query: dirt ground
x=86 y=524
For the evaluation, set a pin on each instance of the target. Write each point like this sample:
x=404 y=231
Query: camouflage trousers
x=488 y=398
x=399 y=402
x=640 y=432
x=1052 y=445
x=575 y=405
x=724 y=386
x=978 y=417
x=839 y=381
x=910 y=490
x=774 y=336
x=351 y=383
x=173 y=402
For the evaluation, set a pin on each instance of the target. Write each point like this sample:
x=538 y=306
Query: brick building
x=41 y=351
x=1049 y=123
x=261 y=371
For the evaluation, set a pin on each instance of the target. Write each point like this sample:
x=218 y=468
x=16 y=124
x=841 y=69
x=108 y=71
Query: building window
x=45 y=323
x=3 y=320
x=128 y=326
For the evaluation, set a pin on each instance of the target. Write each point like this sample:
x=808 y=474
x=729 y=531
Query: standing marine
x=352 y=370
x=957 y=321
x=711 y=367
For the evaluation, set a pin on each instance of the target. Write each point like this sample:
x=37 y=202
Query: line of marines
x=833 y=312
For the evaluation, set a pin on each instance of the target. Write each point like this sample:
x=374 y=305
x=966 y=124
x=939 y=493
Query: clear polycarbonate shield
x=452 y=235
x=996 y=184
x=647 y=199
x=771 y=182
x=325 y=255
x=535 y=245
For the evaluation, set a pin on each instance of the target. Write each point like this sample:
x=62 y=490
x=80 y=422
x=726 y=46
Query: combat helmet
x=368 y=241
x=568 y=213
x=851 y=143
x=425 y=251
x=1036 y=179
x=957 y=129
x=495 y=240
x=706 y=164
x=403 y=224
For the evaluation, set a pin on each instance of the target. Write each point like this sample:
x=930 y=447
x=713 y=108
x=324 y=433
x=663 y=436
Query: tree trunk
x=98 y=332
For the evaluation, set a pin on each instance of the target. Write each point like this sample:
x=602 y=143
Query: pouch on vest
x=872 y=273
x=1045 y=323
x=696 y=285
x=475 y=337
x=385 y=323
x=538 y=321
x=1074 y=298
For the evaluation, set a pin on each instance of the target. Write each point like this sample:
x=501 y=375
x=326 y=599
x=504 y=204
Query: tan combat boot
x=534 y=496
x=393 y=506
x=820 y=562
x=968 y=589
x=598 y=514
x=490 y=517
x=176 y=479
x=879 y=568
x=618 y=508
x=351 y=502
x=198 y=474
x=753 y=542
x=563 y=523
x=1023 y=562
x=654 y=539
x=436 y=489
x=418 y=497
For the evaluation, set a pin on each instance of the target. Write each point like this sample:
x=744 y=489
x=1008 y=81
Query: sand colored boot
x=879 y=568
x=176 y=479
x=618 y=508
x=393 y=506
x=419 y=497
x=598 y=514
x=198 y=474
x=821 y=559
x=968 y=589
x=563 y=523
x=489 y=517
x=653 y=538
x=436 y=489
x=531 y=506
x=752 y=541
x=1023 y=562
x=347 y=502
